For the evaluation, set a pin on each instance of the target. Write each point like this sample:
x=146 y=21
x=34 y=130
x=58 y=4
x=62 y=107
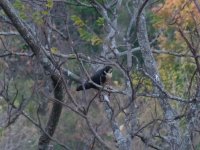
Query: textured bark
x=123 y=143
x=44 y=60
x=20 y=26
x=35 y=45
x=197 y=4
x=54 y=116
x=110 y=47
x=150 y=67
x=193 y=121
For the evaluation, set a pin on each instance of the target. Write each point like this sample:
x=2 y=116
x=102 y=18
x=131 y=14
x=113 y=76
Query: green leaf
x=37 y=17
x=95 y=40
x=77 y=21
x=100 y=21
x=45 y=12
x=49 y=4
x=21 y=8
x=84 y=34
x=19 y=5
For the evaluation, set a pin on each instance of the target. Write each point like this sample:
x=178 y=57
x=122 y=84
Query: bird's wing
x=97 y=77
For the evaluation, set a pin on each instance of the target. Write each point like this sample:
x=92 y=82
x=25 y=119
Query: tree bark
x=39 y=51
x=54 y=116
x=44 y=59
x=197 y=4
x=150 y=67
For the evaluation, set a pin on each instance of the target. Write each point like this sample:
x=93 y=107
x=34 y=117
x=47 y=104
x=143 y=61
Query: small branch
x=162 y=89
x=145 y=141
x=96 y=134
x=16 y=54
x=9 y=33
x=196 y=2
x=139 y=13
x=122 y=141
x=59 y=32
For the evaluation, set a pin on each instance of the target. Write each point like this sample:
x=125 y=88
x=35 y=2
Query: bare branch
x=9 y=33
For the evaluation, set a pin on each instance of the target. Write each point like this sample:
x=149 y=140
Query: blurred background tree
x=152 y=101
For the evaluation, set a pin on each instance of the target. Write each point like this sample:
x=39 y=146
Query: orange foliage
x=179 y=12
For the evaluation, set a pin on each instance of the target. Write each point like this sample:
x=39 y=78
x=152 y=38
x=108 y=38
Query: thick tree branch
x=38 y=50
x=49 y=66
x=54 y=116
x=150 y=67
x=197 y=4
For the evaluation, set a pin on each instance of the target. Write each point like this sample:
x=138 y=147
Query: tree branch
x=54 y=116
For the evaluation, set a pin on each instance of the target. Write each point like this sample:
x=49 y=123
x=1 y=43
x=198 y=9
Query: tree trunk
x=42 y=57
x=54 y=116
x=150 y=68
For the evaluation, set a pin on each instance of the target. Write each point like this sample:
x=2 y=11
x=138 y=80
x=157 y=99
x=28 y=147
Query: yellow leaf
x=95 y=40
x=77 y=21
x=54 y=50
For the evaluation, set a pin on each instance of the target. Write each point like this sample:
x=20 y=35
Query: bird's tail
x=86 y=86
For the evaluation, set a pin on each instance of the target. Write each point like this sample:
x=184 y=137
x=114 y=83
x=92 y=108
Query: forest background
x=49 y=47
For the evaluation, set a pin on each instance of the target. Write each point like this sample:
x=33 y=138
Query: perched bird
x=100 y=77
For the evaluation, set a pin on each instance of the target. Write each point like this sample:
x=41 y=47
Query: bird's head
x=108 y=71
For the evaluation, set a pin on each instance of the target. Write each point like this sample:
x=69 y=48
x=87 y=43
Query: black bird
x=100 y=77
